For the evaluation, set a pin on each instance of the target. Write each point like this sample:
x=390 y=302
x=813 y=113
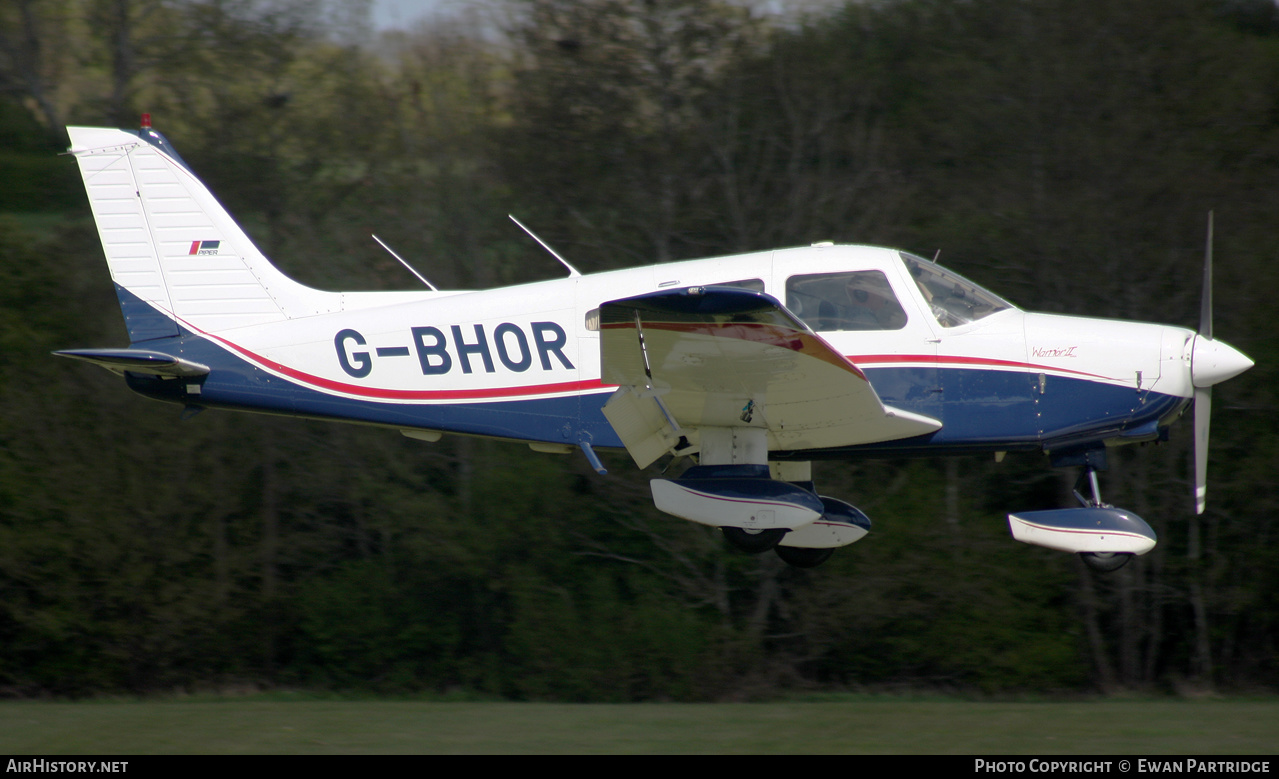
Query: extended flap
x=728 y=357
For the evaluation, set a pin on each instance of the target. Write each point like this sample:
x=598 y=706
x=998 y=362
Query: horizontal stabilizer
x=137 y=361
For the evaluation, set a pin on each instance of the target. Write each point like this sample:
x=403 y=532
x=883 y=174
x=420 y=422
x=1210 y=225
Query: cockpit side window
x=851 y=300
x=953 y=299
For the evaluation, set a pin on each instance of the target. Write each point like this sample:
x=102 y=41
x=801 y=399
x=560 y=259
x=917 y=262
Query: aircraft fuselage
x=522 y=363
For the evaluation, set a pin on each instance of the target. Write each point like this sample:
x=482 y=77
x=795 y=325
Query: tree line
x=1064 y=153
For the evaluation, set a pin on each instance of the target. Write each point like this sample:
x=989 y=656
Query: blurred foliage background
x=1064 y=153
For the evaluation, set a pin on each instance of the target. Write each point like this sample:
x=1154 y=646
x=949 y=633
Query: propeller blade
x=1203 y=396
x=1205 y=306
x=1203 y=415
x=1211 y=362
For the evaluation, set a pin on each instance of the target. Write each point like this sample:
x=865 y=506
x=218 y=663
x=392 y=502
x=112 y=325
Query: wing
x=725 y=357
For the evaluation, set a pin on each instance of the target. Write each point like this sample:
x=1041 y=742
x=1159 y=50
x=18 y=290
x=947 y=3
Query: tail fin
x=176 y=256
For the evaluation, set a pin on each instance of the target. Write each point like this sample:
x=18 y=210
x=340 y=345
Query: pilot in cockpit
x=857 y=300
x=871 y=304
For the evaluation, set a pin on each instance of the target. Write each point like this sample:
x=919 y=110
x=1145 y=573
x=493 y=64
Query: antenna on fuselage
x=391 y=251
x=571 y=270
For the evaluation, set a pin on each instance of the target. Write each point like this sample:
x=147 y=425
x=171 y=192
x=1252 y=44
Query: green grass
x=255 y=726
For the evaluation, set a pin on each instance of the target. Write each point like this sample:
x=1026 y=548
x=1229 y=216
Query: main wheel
x=1105 y=562
x=801 y=557
x=753 y=541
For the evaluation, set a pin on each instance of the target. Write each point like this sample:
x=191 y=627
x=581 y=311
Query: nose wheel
x=1101 y=562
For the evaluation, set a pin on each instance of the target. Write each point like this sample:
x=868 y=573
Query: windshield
x=954 y=300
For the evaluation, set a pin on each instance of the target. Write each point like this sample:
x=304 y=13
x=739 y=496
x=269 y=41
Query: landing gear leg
x=1089 y=475
x=1101 y=562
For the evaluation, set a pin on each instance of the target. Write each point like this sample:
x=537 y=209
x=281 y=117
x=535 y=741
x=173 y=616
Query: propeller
x=1211 y=362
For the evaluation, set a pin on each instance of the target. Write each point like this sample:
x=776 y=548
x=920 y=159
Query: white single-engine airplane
x=874 y=352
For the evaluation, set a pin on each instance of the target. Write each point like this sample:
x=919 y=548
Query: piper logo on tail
x=204 y=247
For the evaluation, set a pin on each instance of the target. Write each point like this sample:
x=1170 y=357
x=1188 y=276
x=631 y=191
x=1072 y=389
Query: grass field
x=852 y=726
